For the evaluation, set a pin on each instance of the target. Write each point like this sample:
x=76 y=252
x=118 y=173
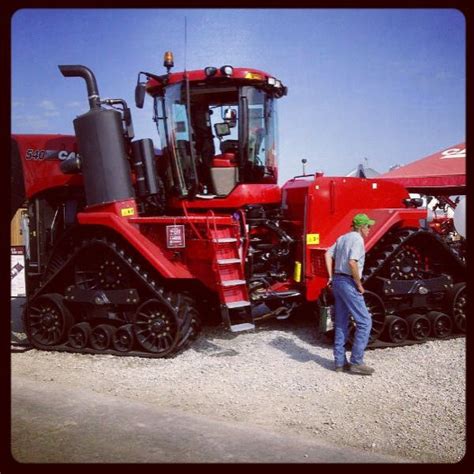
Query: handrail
x=246 y=236
x=190 y=222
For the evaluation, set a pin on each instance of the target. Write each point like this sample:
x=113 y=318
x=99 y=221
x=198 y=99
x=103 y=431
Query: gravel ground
x=281 y=377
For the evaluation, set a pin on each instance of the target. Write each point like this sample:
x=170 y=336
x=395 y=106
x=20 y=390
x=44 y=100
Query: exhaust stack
x=101 y=142
x=84 y=72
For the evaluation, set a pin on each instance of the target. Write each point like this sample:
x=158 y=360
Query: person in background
x=204 y=143
x=348 y=255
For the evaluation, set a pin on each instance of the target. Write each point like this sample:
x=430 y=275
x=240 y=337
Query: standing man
x=348 y=254
x=204 y=143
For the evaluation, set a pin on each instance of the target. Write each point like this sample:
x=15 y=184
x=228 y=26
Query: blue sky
x=388 y=85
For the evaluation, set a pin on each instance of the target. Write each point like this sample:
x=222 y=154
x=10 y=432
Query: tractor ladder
x=232 y=286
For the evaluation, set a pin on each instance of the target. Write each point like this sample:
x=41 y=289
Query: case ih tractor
x=131 y=246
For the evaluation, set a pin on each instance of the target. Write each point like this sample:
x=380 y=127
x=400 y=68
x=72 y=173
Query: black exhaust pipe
x=104 y=162
x=84 y=72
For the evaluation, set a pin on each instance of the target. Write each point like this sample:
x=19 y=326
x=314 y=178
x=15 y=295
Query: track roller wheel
x=376 y=309
x=123 y=338
x=457 y=300
x=192 y=332
x=156 y=327
x=47 y=320
x=419 y=327
x=396 y=329
x=97 y=267
x=101 y=337
x=188 y=318
x=79 y=335
x=441 y=324
x=406 y=264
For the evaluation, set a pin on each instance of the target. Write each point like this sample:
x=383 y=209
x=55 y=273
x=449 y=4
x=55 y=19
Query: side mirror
x=140 y=95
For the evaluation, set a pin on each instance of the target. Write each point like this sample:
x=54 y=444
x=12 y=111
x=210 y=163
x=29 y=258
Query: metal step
x=228 y=261
x=224 y=240
x=237 y=304
x=242 y=327
x=233 y=282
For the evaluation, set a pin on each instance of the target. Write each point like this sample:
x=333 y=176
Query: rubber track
x=391 y=244
x=379 y=344
x=188 y=328
x=385 y=249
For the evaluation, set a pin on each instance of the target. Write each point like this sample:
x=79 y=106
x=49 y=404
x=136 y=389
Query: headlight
x=210 y=71
x=227 y=70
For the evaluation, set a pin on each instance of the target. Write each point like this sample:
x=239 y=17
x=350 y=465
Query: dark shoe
x=344 y=368
x=361 y=369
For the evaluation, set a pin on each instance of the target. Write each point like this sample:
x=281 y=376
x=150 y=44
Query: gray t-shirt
x=347 y=247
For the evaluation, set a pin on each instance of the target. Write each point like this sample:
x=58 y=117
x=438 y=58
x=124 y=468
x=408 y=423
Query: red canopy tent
x=443 y=172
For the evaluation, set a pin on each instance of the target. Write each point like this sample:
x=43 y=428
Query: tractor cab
x=217 y=129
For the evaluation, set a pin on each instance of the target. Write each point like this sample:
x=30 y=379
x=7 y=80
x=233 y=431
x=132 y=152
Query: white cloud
x=74 y=104
x=30 y=124
x=47 y=105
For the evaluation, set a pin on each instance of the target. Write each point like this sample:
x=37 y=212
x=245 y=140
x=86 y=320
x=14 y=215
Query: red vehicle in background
x=440 y=182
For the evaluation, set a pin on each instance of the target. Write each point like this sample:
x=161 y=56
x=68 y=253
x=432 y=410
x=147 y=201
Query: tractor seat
x=224 y=173
x=226 y=160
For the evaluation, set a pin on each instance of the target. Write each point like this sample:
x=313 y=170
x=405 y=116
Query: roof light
x=210 y=71
x=227 y=70
x=271 y=81
x=168 y=61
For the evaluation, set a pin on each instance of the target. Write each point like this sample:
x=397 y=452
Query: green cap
x=362 y=219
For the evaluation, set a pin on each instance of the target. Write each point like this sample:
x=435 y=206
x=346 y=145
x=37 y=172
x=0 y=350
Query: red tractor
x=131 y=245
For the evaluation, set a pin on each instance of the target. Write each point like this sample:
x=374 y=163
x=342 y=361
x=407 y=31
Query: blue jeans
x=348 y=300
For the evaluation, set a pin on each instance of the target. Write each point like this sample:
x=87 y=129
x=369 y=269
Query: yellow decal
x=297 y=272
x=312 y=239
x=127 y=211
x=253 y=75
